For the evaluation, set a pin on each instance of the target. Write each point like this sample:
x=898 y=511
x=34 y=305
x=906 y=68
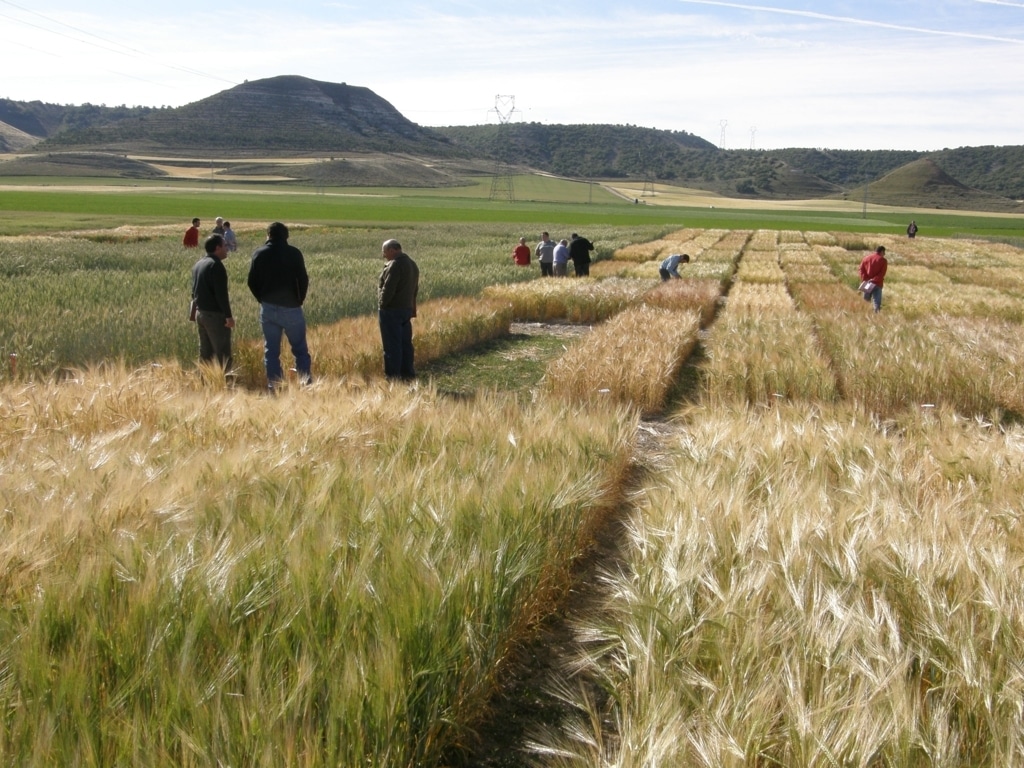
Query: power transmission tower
x=502 y=184
x=753 y=132
x=721 y=141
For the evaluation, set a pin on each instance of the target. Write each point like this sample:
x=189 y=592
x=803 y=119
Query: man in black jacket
x=213 y=308
x=278 y=280
x=579 y=252
x=396 y=302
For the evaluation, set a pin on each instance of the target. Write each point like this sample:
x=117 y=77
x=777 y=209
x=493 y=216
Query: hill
x=38 y=120
x=922 y=183
x=592 y=151
x=297 y=116
x=14 y=140
x=286 y=113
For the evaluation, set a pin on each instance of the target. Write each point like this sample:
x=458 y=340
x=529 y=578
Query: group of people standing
x=554 y=257
x=279 y=282
x=221 y=227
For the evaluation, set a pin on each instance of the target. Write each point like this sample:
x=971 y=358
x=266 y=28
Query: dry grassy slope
x=14 y=140
x=353 y=169
x=922 y=184
x=85 y=164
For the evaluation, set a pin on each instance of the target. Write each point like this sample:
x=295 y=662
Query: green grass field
x=539 y=202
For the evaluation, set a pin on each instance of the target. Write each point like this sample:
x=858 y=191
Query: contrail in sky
x=862 y=22
x=1001 y=2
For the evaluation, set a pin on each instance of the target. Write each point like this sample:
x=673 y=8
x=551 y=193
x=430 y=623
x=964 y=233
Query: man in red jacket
x=521 y=255
x=872 y=270
x=191 y=238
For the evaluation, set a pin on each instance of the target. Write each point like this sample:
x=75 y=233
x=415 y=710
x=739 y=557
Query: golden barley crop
x=890 y=366
x=915 y=301
x=688 y=293
x=691 y=241
x=632 y=359
x=820 y=567
x=816 y=239
x=762 y=350
x=807 y=589
x=1003 y=278
x=916 y=274
x=578 y=300
x=333 y=576
x=352 y=347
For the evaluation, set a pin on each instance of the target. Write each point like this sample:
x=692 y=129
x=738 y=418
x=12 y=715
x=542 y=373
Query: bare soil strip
x=526 y=702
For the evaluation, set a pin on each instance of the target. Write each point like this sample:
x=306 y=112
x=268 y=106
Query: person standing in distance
x=579 y=252
x=396 y=303
x=213 y=308
x=546 y=255
x=229 y=237
x=670 y=266
x=191 y=238
x=278 y=280
x=521 y=253
x=872 y=270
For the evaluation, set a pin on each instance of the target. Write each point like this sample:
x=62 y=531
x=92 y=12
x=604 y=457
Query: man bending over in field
x=670 y=266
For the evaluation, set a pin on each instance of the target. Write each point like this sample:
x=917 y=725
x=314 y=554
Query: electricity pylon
x=502 y=184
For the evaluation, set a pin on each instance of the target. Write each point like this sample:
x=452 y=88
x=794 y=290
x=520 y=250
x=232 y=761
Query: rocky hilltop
x=286 y=113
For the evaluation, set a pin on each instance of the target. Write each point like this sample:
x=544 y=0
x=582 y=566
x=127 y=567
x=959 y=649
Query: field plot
x=818 y=570
x=820 y=555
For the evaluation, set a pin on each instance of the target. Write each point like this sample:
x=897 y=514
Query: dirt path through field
x=527 y=702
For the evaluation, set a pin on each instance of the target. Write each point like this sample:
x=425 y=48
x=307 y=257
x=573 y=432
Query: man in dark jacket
x=396 y=302
x=579 y=252
x=213 y=308
x=278 y=280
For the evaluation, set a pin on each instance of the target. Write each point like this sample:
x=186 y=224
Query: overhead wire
x=127 y=50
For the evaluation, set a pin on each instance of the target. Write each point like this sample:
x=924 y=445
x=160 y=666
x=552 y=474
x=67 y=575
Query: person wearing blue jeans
x=279 y=282
x=872 y=270
x=396 y=303
x=290 y=322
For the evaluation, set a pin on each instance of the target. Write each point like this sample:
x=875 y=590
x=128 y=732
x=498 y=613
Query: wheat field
x=818 y=566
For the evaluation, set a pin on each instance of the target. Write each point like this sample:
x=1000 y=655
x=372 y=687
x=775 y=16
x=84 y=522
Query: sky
x=900 y=74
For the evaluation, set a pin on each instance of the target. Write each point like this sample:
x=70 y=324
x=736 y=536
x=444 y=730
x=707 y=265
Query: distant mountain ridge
x=297 y=115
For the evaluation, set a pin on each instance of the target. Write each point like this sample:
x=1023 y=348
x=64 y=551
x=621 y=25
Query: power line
x=127 y=50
